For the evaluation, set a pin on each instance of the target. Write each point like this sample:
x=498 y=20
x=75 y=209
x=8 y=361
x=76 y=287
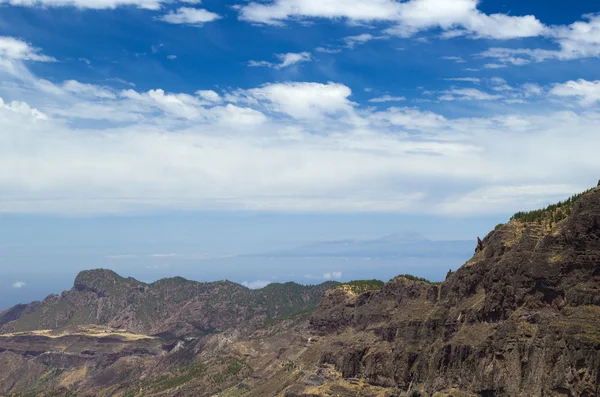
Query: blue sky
x=374 y=116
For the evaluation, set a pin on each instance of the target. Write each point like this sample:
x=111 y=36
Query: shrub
x=555 y=212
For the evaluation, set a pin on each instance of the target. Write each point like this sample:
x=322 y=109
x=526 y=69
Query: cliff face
x=521 y=318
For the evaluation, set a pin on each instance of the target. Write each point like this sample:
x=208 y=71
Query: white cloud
x=352 y=41
x=578 y=40
x=256 y=64
x=190 y=16
x=474 y=80
x=90 y=4
x=209 y=95
x=75 y=148
x=503 y=91
x=588 y=92
x=15 y=49
x=467 y=94
x=533 y=196
x=305 y=100
x=293 y=58
x=18 y=284
x=328 y=50
x=87 y=90
x=96 y=4
x=280 y=10
x=387 y=98
x=121 y=81
x=172 y=57
x=461 y=17
x=286 y=60
x=257 y=284
x=411 y=118
x=332 y=276
x=453 y=58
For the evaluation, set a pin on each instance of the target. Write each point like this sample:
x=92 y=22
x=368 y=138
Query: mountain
x=401 y=245
x=521 y=318
x=173 y=306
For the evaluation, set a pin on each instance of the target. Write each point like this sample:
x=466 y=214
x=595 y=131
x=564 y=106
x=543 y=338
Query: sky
x=216 y=128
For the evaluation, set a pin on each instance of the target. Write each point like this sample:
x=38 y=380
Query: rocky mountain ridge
x=173 y=306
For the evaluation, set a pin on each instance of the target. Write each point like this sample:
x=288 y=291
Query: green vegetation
x=183 y=376
x=360 y=286
x=421 y=279
x=290 y=366
x=498 y=226
x=554 y=212
x=234 y=367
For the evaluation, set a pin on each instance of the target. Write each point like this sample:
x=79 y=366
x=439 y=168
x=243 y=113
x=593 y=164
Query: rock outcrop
x=521 y=318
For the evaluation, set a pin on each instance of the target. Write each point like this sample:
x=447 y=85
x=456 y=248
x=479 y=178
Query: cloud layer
x=70 y=147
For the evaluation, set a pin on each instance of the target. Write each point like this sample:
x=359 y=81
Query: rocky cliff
x=521 y=318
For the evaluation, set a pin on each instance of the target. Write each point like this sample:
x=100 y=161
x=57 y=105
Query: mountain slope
x=174 y=306
x=521 y=318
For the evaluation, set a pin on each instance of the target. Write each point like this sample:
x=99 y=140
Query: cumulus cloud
x=457 y=17
x=70 y=147
x=286 y=60
x=581 y=39
x=18 y=284
x=190 y=16
x=257 y=284
x=587 y=92
x=303 y=100
x=209 y=95
x=15 y=49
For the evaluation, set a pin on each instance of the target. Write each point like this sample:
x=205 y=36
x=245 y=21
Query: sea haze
x=340 y=260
